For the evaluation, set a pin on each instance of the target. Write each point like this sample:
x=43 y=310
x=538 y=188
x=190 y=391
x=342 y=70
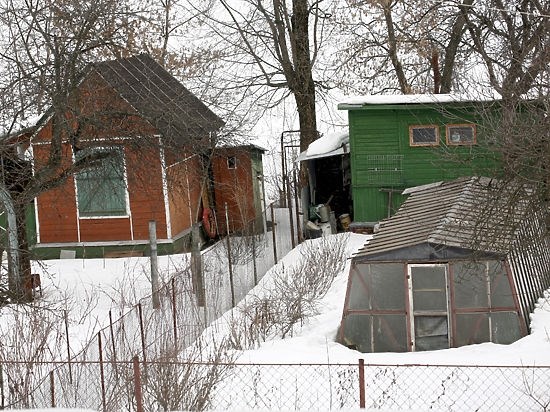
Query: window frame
x=106 y=214
x=234 y=161
x=448 y=127
x=424 y=126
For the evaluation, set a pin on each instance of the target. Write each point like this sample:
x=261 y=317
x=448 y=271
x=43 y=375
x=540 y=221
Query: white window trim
x=126 y=193
x=411 y=301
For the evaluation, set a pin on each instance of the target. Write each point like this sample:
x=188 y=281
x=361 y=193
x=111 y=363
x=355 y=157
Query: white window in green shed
x=101 y=188
x=424 y=135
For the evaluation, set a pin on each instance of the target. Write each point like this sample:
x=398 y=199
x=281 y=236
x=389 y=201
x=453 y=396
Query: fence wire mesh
x=111 y=386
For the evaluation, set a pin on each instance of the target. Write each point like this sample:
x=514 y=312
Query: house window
x=424 y=135
x=461 y=134
x=231 y=162
x=101 y=188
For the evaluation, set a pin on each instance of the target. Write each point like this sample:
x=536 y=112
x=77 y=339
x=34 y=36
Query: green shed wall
x=382 y=158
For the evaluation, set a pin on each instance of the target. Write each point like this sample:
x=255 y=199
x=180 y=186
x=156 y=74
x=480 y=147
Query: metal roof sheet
x=469 y=213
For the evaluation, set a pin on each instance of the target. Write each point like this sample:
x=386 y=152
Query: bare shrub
x=173 y=384
x=32 y=335
x=294 y=295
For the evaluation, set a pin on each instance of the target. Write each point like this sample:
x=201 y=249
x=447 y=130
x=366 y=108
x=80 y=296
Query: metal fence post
x=2 y=396
x=52 y=390
x=101 y=371
x=229 y=262
x=273 y=224
x=362 y=383
x=142 y=331
x=174 y=313
x=137 y=385
x=112 y=334
x=255 y=268
x=290 y=217
x=154 y=263
x=68 y=347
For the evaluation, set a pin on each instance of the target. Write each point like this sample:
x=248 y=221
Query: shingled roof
x=469 y=214
x=159 y=98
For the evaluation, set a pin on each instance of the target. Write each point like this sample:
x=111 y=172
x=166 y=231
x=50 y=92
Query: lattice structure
x=384 y=169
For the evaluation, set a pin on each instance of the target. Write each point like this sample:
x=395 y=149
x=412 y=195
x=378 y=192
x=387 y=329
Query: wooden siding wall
x=184 y=179
x=57 y=208
x=234 y=187
x=384 y=131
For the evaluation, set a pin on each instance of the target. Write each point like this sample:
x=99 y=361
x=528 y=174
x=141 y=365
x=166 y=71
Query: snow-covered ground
x=315 y=341
x=97 y=285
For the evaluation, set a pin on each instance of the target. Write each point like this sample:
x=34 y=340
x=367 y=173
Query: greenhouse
x=450 y=268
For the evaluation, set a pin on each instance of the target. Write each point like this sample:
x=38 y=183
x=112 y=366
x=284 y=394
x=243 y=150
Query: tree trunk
x=302 y=85
x=25 y=293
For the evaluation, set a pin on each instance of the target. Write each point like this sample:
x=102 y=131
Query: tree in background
x=276 y=44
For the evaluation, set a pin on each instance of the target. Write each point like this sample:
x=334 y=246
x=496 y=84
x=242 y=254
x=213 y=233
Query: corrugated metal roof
x=471 y=213
x=159 y=97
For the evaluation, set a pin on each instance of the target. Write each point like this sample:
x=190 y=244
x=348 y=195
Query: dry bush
x=172 y=384
x=294 y=295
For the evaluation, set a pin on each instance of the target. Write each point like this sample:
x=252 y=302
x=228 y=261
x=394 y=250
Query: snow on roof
x=410 y=99
x=331 y=144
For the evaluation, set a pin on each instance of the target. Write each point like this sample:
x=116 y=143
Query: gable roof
x=472 y=214
x=159 y=98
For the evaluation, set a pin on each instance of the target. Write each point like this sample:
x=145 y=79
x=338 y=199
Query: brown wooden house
x=153 y=139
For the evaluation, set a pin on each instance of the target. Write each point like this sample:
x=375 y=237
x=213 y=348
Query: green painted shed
x=401 y=141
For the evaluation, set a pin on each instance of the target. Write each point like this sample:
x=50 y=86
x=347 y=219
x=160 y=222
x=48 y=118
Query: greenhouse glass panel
x=505 y=327
x=501 y=293
x=470 y=284
x=377 y=287
x=471 y=328
x=390 y=333
x=429 y=286
x=431 y=332
x=358 y=332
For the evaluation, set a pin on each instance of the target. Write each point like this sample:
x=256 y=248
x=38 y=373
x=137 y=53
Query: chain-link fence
x=153 y=334
x=147 y=386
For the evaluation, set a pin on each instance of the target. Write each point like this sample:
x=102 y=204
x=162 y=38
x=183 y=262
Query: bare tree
x=412 y=47
x=280 y=41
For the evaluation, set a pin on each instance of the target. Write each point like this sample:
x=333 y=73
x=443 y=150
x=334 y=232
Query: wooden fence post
x=362 y=383
x=137 y=385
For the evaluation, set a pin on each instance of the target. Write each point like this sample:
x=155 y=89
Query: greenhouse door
x=428 y=299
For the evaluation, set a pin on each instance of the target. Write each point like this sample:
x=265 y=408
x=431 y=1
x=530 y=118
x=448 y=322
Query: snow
x=410 y=99
x=315 y=341
x=95 y=284
x=330 y=144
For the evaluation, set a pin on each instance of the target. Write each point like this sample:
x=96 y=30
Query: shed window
x=424 y=135
x=461 y=134
x=231 y=162
x=101 y=188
